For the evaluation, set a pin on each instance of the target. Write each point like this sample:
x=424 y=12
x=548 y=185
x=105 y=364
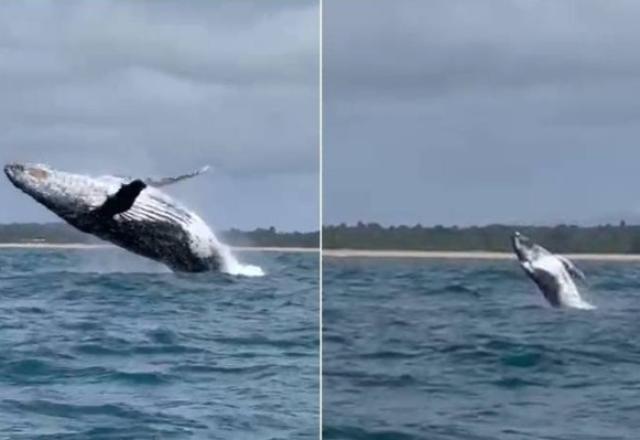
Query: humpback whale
x=551 y=273
x=131 y=213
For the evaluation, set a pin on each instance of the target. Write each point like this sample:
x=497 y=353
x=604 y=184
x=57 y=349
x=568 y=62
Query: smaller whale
x=551 y=273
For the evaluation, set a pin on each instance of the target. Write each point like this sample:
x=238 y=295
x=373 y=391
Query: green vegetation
x=60 y=233
x=271 y=237
x=620 y=239
x=45 y=233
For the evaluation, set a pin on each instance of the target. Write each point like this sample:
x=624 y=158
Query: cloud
x=451 y=47
x=157 y=87
x=476 y=112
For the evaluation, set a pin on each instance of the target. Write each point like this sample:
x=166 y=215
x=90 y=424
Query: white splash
x=204 y=242
x=232 y=266
x=568 y=295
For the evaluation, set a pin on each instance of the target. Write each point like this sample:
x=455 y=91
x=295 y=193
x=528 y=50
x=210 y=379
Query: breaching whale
x=131 y=213
x=551 y=273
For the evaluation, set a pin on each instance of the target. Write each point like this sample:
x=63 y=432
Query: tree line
x=621 y=238
x=62 y=233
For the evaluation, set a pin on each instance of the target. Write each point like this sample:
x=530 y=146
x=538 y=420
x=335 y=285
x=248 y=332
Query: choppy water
x=469 y=350
x=99 y=344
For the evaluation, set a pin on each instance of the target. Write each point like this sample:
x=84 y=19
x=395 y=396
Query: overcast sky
x=473 y=112
x=160 y=87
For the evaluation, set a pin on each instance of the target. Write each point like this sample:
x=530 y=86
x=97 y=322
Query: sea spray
x=228 y=261
x=232 y=266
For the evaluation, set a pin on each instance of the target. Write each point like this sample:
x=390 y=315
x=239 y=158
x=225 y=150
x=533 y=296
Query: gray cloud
x=463 y=112
x=446 y=46
x=158 y=87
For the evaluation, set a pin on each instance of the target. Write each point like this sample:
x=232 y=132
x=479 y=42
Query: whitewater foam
x=204 y=242
x=232 y=266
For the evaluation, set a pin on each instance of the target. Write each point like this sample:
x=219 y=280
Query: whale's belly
x=166 y=242
x=155 y=229
x=556 y=283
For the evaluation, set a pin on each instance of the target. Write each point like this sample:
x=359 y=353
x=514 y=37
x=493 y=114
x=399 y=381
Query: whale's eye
x=38 y=173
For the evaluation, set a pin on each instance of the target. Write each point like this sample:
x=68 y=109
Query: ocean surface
x=102 y=344
x=422 y=349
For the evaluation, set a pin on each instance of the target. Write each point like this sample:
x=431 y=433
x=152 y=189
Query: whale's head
x=525 y=249
x=67 y=195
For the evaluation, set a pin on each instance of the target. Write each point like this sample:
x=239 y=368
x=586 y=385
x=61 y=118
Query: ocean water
x=419 y=349
x=102 y=344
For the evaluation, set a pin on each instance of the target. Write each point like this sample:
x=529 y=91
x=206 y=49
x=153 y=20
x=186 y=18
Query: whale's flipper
x=123 y=200
x=571 y=268
x=170 y=180
x=548 y=284
x=528 y=267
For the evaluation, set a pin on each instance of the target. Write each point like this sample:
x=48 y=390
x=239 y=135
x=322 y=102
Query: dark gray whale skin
x=130 y=213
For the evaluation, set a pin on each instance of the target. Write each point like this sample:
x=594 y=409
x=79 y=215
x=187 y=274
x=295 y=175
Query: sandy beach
x=350 y=253
x=471 y=255
x=273 y=249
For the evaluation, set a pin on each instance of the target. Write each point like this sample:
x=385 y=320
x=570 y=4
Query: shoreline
x=349 y=253
x=273 y=249
x=461 y=255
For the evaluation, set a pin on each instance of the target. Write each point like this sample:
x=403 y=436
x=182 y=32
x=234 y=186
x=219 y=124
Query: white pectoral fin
x=573 y=270
x=171 y=180
x=528 y=267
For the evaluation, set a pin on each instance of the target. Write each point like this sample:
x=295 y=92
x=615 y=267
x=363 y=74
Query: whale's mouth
x=17 y=172
x=13 y=169
x=521 y=239
x=522 y=246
